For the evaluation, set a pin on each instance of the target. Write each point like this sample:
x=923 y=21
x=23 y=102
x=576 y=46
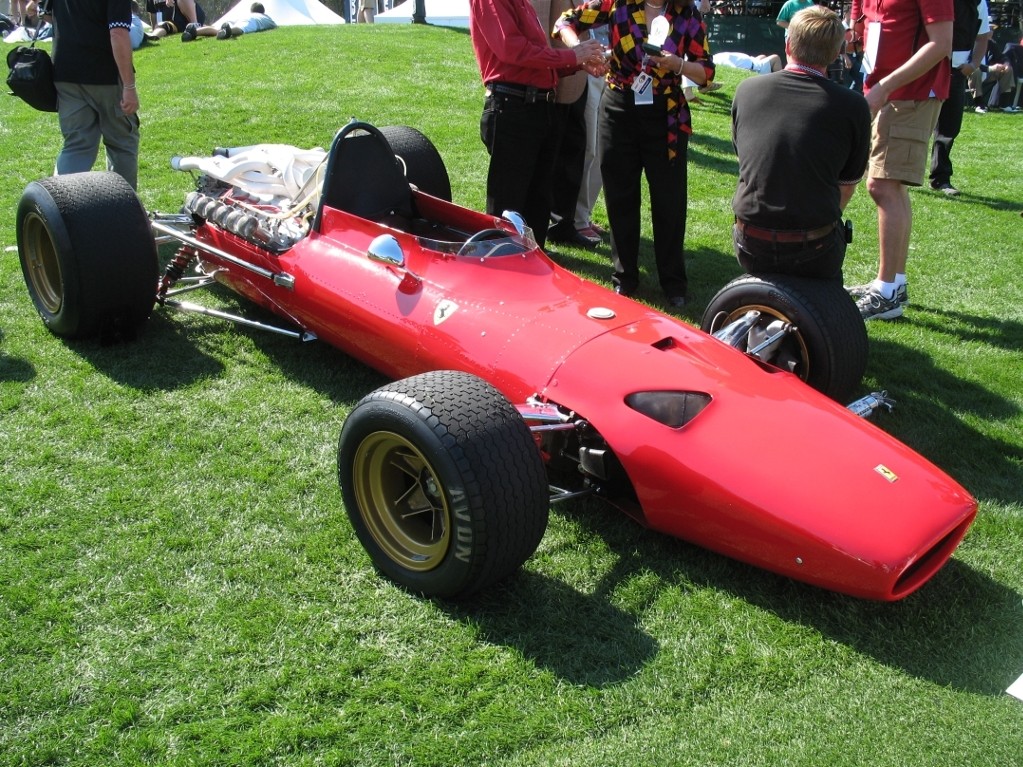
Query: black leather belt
x=784 y=235
x=527 y=93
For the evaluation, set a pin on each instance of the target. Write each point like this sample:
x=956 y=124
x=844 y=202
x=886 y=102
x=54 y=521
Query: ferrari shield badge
x=887 y=473
x=444 y=310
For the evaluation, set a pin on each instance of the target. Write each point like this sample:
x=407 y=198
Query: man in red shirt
x=519 y=126
x=906 y=43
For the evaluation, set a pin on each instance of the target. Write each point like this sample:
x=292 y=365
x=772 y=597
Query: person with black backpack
x=970 y=30
x=95 y=79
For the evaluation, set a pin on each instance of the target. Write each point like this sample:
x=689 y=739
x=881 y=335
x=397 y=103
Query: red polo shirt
x=512 y=47
x=900 y=25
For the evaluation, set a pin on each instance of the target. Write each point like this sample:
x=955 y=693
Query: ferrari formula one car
x=518 y=383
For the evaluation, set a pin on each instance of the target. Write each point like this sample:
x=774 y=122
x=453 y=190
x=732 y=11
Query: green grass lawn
x=179 y=584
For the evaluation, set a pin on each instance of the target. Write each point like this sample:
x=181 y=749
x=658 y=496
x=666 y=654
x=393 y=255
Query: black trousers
x=950 y=122
x=568 y=171
x=522 y=140
x=633 y=142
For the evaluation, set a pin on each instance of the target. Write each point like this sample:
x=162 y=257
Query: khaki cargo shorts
x=900 y=139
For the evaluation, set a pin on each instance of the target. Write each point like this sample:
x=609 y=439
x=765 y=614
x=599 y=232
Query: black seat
x=363 y=176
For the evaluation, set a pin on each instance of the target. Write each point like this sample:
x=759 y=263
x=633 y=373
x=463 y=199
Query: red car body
x=770 y=472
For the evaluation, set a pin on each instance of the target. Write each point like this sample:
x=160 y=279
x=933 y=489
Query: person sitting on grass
x=255 y=21
x=169 y=17
x=137 y=32
x=762 y=64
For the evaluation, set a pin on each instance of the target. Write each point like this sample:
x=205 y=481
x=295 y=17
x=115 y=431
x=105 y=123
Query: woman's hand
x=677 y=65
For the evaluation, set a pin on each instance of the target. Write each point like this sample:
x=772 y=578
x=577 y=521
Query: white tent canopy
x=442 y=13
x=286 y=13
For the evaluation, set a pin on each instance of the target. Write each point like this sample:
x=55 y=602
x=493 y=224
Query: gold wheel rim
x=401 y=501
x=768 y=314
x=42 y=265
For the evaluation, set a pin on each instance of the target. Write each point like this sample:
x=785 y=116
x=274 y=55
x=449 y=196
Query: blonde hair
x=815 y=36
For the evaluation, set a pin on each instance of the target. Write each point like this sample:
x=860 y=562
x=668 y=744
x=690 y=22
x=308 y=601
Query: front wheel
x=87 y=254
x=443 y=484
x=828 y=347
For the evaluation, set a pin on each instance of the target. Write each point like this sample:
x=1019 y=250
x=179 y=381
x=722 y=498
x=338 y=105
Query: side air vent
x=672 y=408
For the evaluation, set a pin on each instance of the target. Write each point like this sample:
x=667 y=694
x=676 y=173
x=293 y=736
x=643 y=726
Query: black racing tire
x=828 y=350
x=87 y=254
x=443 y=483
x=424 y=167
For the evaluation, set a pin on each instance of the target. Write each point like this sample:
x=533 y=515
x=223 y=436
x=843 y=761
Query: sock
x=900 y=280
x=886 y=289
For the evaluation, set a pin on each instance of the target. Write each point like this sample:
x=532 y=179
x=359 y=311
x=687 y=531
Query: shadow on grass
x=959 y=630
x=714 y=103
x=713 y=152
x=595 y=266
x=993 y=331
x=175 y=349
x=15 y=369
x=581 y=638
x=927 y=416
x=994 y=203
x=165 y=356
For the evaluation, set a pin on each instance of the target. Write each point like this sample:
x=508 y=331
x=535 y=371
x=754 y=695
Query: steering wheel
x=482 y=234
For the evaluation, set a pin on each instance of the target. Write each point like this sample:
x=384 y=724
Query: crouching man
x=803 y=142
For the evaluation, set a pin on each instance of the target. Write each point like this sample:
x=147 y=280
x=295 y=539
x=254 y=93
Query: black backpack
x=965 y=25
x=30 y=75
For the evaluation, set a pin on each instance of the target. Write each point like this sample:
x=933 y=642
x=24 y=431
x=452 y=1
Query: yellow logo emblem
x=887 y=473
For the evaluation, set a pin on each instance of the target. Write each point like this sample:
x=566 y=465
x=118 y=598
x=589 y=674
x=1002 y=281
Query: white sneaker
x=874 y=306
x=859 y=291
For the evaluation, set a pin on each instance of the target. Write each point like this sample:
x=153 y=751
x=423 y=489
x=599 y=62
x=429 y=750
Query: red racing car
x=518 y=383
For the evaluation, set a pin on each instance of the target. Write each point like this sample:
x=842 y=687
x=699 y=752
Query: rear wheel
x=443 y=483
x=87 y=254
x=424 y=166
x=828 y=348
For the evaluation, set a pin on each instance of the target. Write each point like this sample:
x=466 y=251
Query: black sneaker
x=224 y=32
x=946 y=189
x=190 y=32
